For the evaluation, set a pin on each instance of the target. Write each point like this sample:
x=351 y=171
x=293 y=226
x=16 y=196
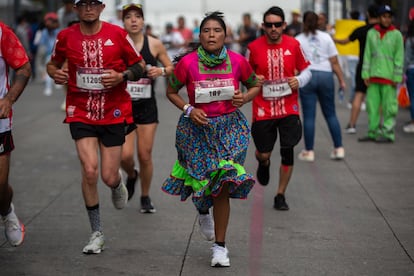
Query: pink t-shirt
x=210 y=88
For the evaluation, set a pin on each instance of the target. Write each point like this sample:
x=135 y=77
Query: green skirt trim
x=180 y=172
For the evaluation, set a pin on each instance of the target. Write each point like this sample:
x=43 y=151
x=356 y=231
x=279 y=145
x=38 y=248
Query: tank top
x=149 y=59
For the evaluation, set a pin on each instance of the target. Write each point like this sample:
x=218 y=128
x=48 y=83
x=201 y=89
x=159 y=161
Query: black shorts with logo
x=264 y=133
x=109 y=135
x=6 y=142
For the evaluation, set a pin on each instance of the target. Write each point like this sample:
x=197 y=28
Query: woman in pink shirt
x=212 y=134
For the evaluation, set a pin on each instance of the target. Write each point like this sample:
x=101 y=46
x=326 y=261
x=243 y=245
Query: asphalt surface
x=351 y=217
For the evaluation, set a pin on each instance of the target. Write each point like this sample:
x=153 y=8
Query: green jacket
x=384 y=57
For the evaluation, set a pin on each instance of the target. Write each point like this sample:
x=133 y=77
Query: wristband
x=164 y=72
x=188 y=112
x=185 y=107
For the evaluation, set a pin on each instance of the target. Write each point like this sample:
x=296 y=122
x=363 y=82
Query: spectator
x=46 y=43
x=323 y=55
x=23 y=32
x=66 y=13
x=359 y=34
x=323 y=23
x=117 y=20
x=173 y=41
x=247 y=33
x=295 y=26
x=185 y=32
x=409 y=70
x=382 y=70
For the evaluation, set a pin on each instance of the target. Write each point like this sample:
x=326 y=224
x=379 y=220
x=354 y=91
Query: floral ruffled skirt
x=210 y=156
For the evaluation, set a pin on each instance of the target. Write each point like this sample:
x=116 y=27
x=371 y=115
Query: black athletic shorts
x=6 y=142
x=109 y=135
x=145 y=111
x=264 y=133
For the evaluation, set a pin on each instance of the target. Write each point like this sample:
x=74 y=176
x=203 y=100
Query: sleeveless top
x=149 y=60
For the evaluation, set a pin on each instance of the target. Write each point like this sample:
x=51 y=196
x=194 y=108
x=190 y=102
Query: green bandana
x=211 y=60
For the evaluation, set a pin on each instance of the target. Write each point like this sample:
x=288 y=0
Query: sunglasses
x=125 y=7
x=275 y=24
x=90 y=4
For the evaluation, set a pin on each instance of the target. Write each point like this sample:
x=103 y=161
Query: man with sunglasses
x=278 y=57
x=100 y=59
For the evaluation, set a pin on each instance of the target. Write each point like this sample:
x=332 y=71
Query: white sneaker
x=338 y=154
x=206 y=223
x=63 y=105
x=13 y=228
x=220 y=256
x=363 y=106
x=48 y=92
x=409 y=128
x=95 y=244
x=350 y=129
x=307 y=155
x=120 y=196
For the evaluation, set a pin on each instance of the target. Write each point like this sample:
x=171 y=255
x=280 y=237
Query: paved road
x=352 y=217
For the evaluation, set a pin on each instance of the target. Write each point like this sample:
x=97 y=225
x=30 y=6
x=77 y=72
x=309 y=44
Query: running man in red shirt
x=12 y=55
x=100 y=59
x=278 y=58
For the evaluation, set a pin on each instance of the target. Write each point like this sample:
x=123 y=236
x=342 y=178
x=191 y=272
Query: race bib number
x=90 y=79
x=208 y=91
x=275 y=89
x=140 y=89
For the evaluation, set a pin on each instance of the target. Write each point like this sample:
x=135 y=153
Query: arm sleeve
x=304 y=77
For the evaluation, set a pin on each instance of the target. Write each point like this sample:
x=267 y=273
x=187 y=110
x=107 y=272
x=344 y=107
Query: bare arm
x=341 y=41
x=57 y=72
x=160 y=53
x=19 y=83
x=336 y=68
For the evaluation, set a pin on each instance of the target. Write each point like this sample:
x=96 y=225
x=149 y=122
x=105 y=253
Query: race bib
x=275 y=89
x=140 y=89
x=90 y=79
x=208 y=91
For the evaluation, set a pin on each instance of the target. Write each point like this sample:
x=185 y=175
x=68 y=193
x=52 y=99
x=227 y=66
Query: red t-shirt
x=12 y=54
x=87 y=101
x=276 y=62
